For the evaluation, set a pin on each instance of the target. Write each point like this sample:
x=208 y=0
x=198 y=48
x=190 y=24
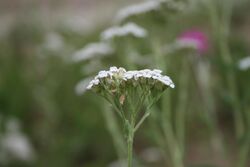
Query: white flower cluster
x=92 y=50
x=244 y=64
x=137 y=9
x=124 y=75
x=127 y=29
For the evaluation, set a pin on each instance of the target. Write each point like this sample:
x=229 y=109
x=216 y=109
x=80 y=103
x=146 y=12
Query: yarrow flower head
x=119 y=78
x=125 y=30
x=121 y=87
x=195 y=39
x=128 y=92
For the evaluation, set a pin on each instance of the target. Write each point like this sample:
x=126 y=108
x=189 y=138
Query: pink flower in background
x=195 y=38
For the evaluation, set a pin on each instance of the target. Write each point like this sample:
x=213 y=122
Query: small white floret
x=92 y=83
x=129 y=75
x=103 y=74
x=96 y=82
x=113 y=69
x=122 y=70
x=157 y=71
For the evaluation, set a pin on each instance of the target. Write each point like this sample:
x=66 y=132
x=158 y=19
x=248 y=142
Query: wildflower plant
x=194 y=38
x=131 y=93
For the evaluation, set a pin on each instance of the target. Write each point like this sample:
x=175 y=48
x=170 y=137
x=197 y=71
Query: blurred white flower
x=127 y=29
x=148 y=6
x=81 y=86
x=118 y=163
x=137 y=9
x=15 y=144
x=92 y=50
x=244 y=64
x=151 y=154
x=53 y=41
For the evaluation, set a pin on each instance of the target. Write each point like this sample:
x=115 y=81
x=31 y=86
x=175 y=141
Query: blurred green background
x=44 y=122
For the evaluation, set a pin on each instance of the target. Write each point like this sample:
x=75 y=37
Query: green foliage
x=208 y=114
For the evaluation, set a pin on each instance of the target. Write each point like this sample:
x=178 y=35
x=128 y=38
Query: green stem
x=174 y=149
x=239 y=123
x=175 y=152
x=244 y=152
x=113 y=129
x=130 y=141
x=231 y=79
x=157 y=134
x=142 y=120
x=222 y=28
x=173 y=146
x=243 y=155
x=182 y=107
x=130 y=150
